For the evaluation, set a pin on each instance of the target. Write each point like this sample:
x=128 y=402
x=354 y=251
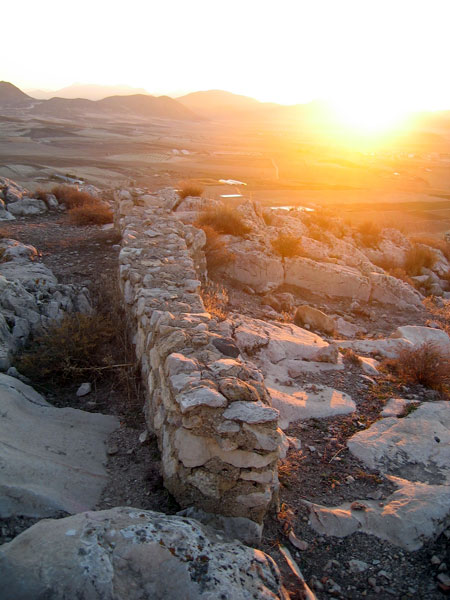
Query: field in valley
x=405 y=183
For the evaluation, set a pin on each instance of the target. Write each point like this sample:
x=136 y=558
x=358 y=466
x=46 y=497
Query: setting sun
x=369 y=115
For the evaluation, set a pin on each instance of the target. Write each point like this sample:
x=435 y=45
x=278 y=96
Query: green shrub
x=223 y=220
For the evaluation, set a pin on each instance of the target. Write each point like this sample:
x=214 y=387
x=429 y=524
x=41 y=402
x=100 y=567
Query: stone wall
x=210 y=410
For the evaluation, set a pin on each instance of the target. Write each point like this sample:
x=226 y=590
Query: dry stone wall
x=217 y=431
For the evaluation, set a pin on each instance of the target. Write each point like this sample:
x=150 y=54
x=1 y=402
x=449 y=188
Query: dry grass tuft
x=370 y=234
x=91 y=214
x=84 y=209
x=424 y=365
x=438 y=244
x=216 y=251
x=287 y=245
x=350 y=356
x=223 y=220
x=188 y=188
x=67 y=349
x=417 y=258
x=41 y=194
x=215 y=299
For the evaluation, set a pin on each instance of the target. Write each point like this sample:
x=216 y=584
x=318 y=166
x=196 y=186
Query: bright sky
x=392 y=54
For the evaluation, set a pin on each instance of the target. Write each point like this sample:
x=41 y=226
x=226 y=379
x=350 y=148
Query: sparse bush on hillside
x=215 y=299
x=223 y=220
x=91 y=214
x=440 y=311
x=187 y=188
x=424 y=365
x=287 y=245
x=72 y=197
x=84 y=209
x=320 y=222
x=41 y=194
x=417 y=258
x=370 y=234
x=438 y=244
x=350 y=356
x=67 y=349
x=216 y=251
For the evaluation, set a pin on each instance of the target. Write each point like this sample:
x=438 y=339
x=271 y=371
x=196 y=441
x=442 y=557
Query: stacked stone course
x=209 y=408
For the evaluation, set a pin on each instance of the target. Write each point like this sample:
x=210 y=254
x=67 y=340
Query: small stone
x=349 y=479
x=113 y=449
x=143 y=437
x=444 y=579
x=357 y=566
x=84 y=389
x=435 y=560
x=358 y=506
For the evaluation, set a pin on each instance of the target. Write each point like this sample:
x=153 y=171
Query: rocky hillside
x=260 y=335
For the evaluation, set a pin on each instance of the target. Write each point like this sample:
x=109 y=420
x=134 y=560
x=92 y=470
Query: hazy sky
x=392 y=52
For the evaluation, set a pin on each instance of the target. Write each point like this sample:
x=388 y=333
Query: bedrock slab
x=51 y=459
x=416 y=447
x=131 y=554
x=298 y=405
x=413 y=514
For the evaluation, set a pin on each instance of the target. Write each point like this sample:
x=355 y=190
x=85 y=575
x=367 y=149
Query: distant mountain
x=11 y=95
x=138 y=105
x=147 y=106
x=89 y=91
x=220 y=104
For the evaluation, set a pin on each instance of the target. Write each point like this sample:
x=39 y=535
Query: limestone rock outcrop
x=130 y=554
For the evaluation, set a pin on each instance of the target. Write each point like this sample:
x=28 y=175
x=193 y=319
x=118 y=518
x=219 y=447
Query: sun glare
x=369 y=115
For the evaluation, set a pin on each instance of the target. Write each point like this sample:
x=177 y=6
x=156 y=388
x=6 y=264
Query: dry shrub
x=215 y=299
x=84 y=209
x=440 y=311
x=41 y=194
x=438 y=244
x=72 y=197
x=188 y=188
x=400 y=273
x=67 y=349
x=370 y=234
x=223 y=220
x=318 y=234
x=425 y=365
x=417 y=258
x=95 y=214
x=287 y=245
x=216 y=251
x=350 y=356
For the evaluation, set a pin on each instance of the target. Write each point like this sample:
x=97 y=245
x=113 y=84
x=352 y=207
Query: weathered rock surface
x=297 y=405
x=326 y=278
x=409 y=337
x=131 y=554
x=409 y=517
x=416 y=447
x=26 y=207
x=52 y=459
x=30 y=297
